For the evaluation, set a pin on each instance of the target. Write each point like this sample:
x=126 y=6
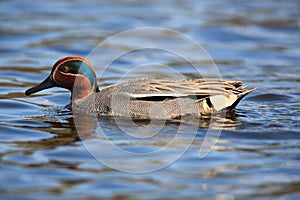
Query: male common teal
x=141 y=98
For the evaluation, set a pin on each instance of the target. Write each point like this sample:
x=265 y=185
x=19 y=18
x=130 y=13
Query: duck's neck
x=82 y=89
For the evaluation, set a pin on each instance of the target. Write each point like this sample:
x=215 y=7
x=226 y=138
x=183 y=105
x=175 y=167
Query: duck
x=141 y=98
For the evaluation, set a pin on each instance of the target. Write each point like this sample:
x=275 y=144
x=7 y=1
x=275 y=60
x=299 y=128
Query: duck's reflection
x=69 y=129
x=149 y=145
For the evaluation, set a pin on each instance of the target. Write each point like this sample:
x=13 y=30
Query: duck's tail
x=240 y=96
x=221 y=102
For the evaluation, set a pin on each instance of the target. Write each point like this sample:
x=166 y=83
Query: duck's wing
x=215 y=93
x=147 y=87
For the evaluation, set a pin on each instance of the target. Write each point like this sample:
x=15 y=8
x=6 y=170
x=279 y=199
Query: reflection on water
x=41 y=143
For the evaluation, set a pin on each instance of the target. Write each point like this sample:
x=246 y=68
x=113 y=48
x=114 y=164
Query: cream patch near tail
x=219 y=102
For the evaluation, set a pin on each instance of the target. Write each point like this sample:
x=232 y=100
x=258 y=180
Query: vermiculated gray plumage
x=163 y=98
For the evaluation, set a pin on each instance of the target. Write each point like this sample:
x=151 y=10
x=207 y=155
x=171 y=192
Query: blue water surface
x=43 y=149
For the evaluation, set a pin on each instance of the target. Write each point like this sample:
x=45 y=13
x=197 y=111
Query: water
x=257 y=155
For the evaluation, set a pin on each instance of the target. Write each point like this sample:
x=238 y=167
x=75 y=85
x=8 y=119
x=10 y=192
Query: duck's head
x=73 y=73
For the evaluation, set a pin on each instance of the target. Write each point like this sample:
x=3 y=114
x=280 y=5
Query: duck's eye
x=65 y=69
x=69 y=68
